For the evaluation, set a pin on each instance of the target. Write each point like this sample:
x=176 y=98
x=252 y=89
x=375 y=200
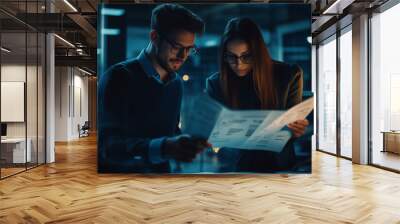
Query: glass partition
x=14 y=153
x=22 y=88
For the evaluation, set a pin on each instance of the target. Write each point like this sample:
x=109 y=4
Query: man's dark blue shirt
x=137 y=111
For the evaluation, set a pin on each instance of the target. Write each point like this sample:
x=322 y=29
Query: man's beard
x=161 y=62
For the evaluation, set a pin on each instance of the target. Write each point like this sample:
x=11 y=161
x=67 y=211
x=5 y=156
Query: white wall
x=17 y=72
x=71 y=94
x=61 y=103
x=14 y=72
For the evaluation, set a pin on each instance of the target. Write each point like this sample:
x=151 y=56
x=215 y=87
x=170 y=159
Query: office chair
x=84 y=130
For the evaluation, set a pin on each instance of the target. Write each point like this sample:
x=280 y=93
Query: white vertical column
x=360 y=90
x=50 y=92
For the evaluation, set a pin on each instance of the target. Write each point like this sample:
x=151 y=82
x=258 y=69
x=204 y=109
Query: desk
x=13 y=150
x=391 y=141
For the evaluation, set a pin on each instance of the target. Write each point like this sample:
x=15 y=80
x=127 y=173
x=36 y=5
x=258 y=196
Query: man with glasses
x=140 y=99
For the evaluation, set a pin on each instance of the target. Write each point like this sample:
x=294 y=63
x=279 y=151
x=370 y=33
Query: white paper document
x=243 y=129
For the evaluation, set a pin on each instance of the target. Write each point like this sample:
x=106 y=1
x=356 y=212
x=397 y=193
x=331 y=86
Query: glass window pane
x=327 y=96
x=385 y=88
x=346 y=94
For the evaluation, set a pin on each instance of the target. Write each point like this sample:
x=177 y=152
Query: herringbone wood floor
x=71 y=191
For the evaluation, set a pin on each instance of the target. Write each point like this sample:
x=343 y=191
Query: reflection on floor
x=10 y=169
x=386 y=159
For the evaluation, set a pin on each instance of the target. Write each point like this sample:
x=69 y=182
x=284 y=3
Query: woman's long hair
x=248 y=31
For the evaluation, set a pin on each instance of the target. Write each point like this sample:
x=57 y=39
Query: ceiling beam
x=82 y=61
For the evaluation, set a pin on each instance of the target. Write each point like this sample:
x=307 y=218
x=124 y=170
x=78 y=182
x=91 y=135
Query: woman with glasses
x=249 y=79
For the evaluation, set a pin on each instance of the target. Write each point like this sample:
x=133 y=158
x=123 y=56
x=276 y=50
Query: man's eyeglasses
x=177 y=48
x=232 y=59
